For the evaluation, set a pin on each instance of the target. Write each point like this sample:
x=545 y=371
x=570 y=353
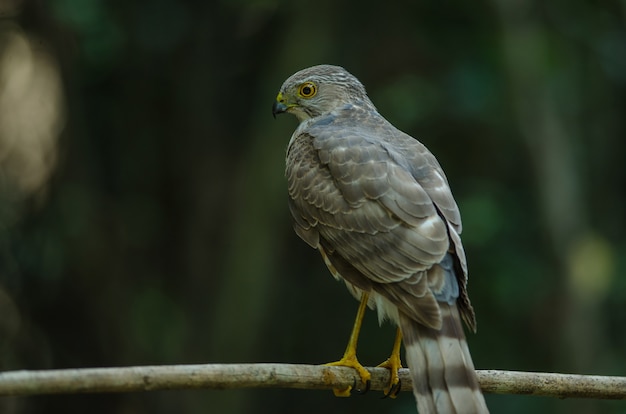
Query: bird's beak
x=279 y=106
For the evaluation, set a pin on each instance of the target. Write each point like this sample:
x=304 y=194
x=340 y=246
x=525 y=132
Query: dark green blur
x=143 y=208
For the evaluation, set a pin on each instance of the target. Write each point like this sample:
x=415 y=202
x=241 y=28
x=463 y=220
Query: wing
x=378 y=203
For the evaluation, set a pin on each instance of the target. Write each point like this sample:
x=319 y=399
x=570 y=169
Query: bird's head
x=318 y=90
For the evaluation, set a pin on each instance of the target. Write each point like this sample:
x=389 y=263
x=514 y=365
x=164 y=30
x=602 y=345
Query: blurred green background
x=143 y=215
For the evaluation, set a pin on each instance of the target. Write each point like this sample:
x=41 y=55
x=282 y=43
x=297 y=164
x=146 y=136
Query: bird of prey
x=377 y=205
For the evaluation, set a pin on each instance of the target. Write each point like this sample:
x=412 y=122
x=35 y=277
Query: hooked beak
x=279 y=106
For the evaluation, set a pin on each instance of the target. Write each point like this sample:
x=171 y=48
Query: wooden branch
x=229 y=376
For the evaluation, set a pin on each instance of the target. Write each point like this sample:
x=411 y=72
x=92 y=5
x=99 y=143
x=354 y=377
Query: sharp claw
x=367 y=388
x=396 y=388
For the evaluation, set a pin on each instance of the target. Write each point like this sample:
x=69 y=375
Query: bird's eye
x=307 y=90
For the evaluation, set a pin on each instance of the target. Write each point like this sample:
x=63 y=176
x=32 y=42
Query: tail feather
x=444 y=380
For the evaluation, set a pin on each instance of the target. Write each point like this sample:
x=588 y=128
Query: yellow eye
x=307 y=90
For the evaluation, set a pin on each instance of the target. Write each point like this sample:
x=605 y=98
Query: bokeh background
x=143 y=214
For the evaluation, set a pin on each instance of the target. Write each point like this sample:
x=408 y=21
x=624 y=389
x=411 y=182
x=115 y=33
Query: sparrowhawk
x=377 y=205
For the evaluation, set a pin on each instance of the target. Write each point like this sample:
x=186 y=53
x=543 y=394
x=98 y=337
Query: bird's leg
x=393 y=363
x=349 y=357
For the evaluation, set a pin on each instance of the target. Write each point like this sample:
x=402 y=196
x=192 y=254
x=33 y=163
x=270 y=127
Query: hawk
x=377 y=205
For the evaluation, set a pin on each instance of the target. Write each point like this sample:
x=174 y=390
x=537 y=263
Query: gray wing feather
x=379 y=199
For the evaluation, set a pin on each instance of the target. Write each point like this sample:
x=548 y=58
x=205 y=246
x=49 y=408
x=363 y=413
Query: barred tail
x=444 y=380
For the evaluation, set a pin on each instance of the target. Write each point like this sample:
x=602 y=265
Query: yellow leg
x=393 y=363
x=349 y=357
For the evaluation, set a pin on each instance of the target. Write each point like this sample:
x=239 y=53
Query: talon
x=349 y=357
x=368 y=383
x=351 y=362
x=393 y=391
x=397 y=389
x=393 y=364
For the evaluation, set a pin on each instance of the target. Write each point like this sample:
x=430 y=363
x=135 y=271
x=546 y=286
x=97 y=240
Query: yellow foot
x=351 y=362
x=393 y=364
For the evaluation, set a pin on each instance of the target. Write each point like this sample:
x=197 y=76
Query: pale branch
x=230 y=376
